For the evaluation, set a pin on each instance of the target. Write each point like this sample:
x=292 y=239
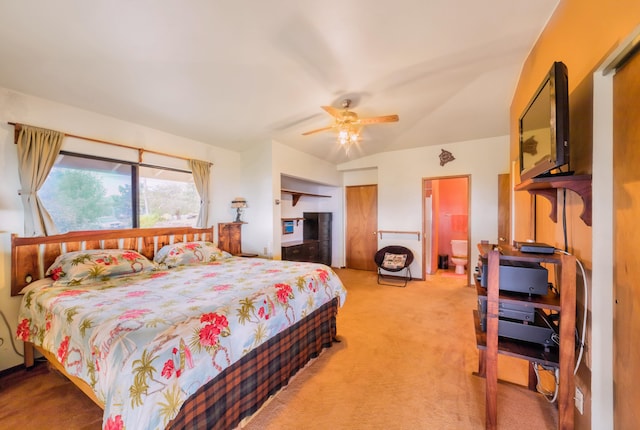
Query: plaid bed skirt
x=242 y=388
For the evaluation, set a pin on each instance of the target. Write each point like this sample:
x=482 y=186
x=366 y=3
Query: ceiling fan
x=348 y=124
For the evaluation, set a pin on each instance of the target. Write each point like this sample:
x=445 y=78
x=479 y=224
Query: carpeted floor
x=405 y=361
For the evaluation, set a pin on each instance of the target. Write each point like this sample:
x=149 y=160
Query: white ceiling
x=233 y=73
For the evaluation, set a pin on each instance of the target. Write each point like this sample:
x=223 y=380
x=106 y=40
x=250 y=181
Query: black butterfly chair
x=394 y=259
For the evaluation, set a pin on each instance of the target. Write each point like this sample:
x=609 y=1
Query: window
x=90 y=193
x=167 y=198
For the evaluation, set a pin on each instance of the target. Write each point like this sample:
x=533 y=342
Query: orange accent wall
x=453 y=210
x=581 y=33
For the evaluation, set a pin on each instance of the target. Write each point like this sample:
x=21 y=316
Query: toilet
x=459 y=255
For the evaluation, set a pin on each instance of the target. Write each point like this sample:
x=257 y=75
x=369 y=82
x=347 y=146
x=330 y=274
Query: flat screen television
x=544 y=127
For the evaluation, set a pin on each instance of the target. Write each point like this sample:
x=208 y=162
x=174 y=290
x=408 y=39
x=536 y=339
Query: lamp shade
x=239 y=202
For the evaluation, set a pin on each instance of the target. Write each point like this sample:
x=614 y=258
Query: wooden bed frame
x=31 y=256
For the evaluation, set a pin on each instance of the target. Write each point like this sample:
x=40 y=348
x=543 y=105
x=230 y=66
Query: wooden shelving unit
x=297 y=194
x=490 y=345
x=548 y=187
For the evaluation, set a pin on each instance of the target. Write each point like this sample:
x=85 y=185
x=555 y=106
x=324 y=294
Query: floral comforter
x=146 y=342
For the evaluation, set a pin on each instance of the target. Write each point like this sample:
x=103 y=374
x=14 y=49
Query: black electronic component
x=535 y=247
x=541 y=331
x=518 y=276
x=516 y=311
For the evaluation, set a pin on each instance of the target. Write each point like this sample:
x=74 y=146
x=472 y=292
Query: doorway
x=445 y=218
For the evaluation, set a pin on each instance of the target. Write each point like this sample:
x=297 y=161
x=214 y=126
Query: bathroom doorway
x=445 y=218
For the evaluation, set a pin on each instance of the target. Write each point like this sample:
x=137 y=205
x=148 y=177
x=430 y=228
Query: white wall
x=21 y=108
x=399 y=179
x=257 y=188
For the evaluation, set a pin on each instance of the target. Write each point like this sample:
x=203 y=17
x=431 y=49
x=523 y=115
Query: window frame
x=134 y=176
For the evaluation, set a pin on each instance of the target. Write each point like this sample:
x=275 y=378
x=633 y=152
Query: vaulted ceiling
x=233 y=73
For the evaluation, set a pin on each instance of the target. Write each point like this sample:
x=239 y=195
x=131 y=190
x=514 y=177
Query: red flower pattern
x=23 y=331
x=323 y=275
x=131 y=256
x=57 y=273
x=114 y=423
x=63 y=350
x=214 y=325
x=284 y=293
x=168 y=368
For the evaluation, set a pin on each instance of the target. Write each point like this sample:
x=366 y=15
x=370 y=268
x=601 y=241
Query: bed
x=196 y=339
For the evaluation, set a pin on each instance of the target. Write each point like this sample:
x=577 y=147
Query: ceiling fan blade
x=379 y=119
x=336 y=113
x=317 y=131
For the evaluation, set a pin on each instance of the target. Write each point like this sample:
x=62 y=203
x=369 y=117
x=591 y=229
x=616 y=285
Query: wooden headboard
x=31 y=256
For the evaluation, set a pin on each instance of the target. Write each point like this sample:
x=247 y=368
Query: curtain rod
x=18 y=126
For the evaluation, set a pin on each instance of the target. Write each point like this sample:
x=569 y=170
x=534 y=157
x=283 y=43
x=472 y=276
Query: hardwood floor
x=60 y=404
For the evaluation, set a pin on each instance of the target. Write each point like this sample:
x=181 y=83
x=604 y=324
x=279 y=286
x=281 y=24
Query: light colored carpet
x=406 y=361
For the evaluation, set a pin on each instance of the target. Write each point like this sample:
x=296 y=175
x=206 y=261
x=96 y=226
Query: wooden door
x=504 y=209
x=626 y=260
x=362 y=226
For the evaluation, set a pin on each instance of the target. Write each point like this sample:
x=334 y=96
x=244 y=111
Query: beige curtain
x=37 y=152
x=201 y=174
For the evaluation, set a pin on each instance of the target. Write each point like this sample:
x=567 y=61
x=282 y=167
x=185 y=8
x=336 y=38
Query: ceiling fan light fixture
x=346 y=135
x=348 y=124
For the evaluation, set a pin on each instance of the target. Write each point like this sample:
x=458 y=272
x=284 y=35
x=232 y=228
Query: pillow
x=393 y=261
x=74 y=268
x=183 y=253
x=36 y=285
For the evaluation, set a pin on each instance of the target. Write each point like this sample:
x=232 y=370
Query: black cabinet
x=317 y=226
x=316 y=244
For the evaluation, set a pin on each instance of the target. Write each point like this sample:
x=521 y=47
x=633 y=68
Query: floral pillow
x=394 y=261
x=75 y=268
x=183 y=253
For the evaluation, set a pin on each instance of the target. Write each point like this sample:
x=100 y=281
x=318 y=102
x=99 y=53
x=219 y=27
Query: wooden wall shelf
x=548 y=188
x=297 y=194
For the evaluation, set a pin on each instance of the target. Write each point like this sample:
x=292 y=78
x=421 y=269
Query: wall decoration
x=445 y=157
